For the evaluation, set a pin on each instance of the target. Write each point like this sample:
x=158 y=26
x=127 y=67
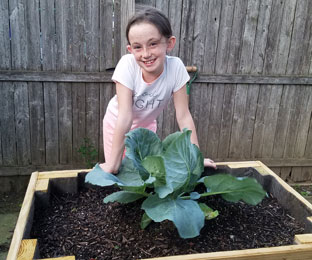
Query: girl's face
x=149 y=48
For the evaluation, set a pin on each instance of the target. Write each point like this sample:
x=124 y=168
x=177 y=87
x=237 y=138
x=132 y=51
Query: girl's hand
x=106 y=167
x=209 y=163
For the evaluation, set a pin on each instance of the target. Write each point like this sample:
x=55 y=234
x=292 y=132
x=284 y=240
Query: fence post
x=127 y=9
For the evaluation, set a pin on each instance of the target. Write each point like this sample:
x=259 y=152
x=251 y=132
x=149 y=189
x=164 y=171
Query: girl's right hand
x=106 y=167
x=210 y=163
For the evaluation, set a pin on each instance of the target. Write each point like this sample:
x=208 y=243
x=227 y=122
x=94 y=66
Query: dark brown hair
x=152 y=16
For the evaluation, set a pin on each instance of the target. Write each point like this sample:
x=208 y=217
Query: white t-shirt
x=149 y=99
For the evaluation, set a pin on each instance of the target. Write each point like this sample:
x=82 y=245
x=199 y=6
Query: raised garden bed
x=43 y=184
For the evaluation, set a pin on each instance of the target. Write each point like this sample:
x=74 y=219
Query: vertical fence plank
x=93 y=89
x=79 y=119
x=224 y=38
x=211 y=44
x=212 y=31
x=37 y=134
x=79 y=46
x=296 y=65
x=202 y=131
x=199 y=37
x=117 y=31
x=273 y=35
x=64 y=41
x=276 y=128
x=249 y=35
x=233 y=131
x=22 y=128
x=194 y=103
x=5 y=57
x=270 y=121
x=308 y=144
x=215 y=129
x=187 y=31
x=19 y=61
x=93 y=114
x=163 y=5
x=245 y=128
x=280 y=60
x=109 y=39
x=127 y=9
x=299 y=98
x=65 y=114
x=18 y=34
x=141 y=4
x=298 y=48
x=8 y=138
x=226 y=121
x=197 y=59
x=49 y=89
x=49 y=53
x=175 y=18
x=51 y=123
x=238 y=26
x=35 y=89
x=237 y=137
x=264 y=96
x=304 y=122
x=249 y=120
x=303 y=35
x=283 y=121
x=214 y=125
x=261 y=36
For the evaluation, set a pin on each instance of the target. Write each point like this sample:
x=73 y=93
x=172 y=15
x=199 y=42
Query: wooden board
x=284 y=193
x=22 y=218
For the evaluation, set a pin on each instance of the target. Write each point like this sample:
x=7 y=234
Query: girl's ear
x=171 y=43
x=129 y=48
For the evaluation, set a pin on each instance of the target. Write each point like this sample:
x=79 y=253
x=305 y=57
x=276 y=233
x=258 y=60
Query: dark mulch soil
x=82 y=225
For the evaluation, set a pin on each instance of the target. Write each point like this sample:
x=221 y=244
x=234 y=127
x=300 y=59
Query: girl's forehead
x=143 y=30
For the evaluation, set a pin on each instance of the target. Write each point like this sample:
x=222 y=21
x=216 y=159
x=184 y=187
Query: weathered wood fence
x=251 y=100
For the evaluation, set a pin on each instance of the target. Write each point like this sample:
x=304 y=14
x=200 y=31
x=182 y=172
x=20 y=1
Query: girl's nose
x=146 y=52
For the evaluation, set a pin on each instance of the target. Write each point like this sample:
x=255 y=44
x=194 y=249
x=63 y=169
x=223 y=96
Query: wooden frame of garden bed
x=68 y=181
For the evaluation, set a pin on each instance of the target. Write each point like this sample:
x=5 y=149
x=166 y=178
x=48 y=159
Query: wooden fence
x=251 y=100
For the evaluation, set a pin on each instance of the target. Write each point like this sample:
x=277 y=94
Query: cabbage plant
x=165 y=174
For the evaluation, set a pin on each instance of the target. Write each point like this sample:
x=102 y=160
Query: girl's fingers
x=209 y=163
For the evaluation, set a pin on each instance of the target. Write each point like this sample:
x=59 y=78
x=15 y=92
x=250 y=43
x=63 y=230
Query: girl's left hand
x=209 y=163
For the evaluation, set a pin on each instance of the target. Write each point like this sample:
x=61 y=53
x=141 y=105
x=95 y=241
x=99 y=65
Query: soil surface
x=82 y=225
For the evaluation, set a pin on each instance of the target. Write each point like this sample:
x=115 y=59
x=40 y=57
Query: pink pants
x=108 y=133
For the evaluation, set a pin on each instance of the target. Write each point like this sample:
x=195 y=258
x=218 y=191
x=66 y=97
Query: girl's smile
x=149 y=48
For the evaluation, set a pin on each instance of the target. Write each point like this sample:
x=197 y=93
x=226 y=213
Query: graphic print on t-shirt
x=146 y=101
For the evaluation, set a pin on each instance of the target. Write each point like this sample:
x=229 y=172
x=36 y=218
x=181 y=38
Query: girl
x=145 y=81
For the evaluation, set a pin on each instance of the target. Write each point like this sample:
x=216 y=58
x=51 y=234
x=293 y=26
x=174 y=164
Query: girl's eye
x=136 y=47
x=153 y=44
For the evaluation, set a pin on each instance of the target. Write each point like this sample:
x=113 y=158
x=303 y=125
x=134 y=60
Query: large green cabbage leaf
x=186 y=215
x=164 y=173
x=234 y=188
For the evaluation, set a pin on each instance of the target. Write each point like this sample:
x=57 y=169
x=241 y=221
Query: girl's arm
x=183 y=115
x=185 y=119
x=123 y=125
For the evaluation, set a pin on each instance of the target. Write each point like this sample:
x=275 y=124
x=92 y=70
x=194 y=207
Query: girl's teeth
x=149 y=62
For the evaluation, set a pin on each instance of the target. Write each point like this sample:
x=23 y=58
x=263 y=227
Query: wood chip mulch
x=82 y=225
